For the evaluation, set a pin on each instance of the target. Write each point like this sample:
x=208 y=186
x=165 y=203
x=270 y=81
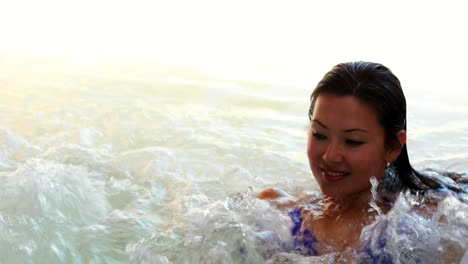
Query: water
x=149 y=163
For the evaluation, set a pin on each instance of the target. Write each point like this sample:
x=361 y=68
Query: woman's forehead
x=344 y=112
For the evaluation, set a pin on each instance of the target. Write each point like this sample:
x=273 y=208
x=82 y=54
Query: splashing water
x=413 y=231
x=242 y=229
x=413 y=238
x=374 y=196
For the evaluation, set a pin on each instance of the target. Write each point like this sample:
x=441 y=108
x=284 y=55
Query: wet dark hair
x=375 y=85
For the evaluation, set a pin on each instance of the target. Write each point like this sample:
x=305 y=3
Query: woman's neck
x=354 y=205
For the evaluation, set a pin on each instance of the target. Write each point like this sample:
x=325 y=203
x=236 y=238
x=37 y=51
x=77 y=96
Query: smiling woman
x=357 y=137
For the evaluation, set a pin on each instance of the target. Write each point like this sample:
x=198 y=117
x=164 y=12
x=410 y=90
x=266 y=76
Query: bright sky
x=422 y=41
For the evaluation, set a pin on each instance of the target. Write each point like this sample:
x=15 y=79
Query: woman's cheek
x=314 y=149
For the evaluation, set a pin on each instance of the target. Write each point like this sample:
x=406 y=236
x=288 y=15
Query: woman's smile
x=331 y=174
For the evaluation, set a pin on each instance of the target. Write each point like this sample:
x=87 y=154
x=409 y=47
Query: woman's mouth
x=333 y=175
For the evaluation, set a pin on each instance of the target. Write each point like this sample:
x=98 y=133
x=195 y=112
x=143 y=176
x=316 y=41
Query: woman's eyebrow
x=349 y=130
x=320 y=123
x=355 y=130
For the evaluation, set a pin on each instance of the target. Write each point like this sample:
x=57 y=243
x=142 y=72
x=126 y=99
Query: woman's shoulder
x=286 y=201
x=272 y=194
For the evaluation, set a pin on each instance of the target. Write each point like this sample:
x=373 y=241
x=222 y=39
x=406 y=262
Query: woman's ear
x=394 y=152
x=401 y=135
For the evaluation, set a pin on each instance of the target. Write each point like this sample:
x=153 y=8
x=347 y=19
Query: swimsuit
x=304 y=242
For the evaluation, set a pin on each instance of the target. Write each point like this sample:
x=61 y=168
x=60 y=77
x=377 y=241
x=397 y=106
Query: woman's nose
x=333 y=154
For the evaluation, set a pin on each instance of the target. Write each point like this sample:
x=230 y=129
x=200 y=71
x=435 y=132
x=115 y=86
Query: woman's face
x=346 y=145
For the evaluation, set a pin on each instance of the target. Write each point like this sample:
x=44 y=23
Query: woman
x=357 y=133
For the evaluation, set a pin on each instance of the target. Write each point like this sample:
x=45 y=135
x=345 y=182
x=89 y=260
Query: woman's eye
x=354 y=143
x=319 y=136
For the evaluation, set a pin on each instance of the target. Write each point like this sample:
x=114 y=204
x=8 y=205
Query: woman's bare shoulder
x=283 y=200
x=272 y=194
